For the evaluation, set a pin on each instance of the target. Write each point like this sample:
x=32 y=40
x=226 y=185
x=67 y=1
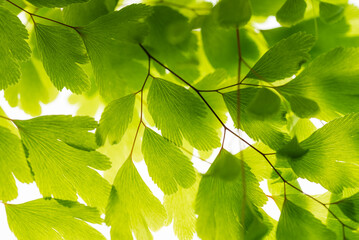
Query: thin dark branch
x=32 y=15
x=141 y=111
x=237 y=84
x=246 y=142
x=6 y=118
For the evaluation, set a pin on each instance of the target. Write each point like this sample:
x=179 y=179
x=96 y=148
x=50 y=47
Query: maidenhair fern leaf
x=132 y=208
x=62 y=51
x=167 y=165
x=112 y=44
x=320 y=158
x=115 y=120
x=59 y=149
x=80 y=14
x=182 y=115
x=33 y=89
x=330 y=81
x=13 y=47
x=350 y=207
x=330 y=13
x=180 y=208
x=53 y=219
x=220 y=199
x=291 y=12
x=284 y=59
x=12 y=162
x=234 y=13
x=299 y=224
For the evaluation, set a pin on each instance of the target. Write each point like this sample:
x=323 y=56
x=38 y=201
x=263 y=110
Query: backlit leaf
x=291 y=12
x=173 y=115
x=329 y=81
x=170 y=32
x=53 y=219
x=80 y=14
x=350 y=207
x=60 y=147
x=167 y=165
x=324 y=161
x=219 y=202
x=132 y=208
x=12 y=162
x=33 y=89
x=180 y=209
x=226 y=57
x=283 y=59
x=297 y=223
x=118 y=61
x=62 y=51
x=265 y=103
x=330 y=13
x=115 y=120
x=234 y=13
x=13 y=47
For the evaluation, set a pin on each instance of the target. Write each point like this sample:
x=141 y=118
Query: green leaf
x=213 y=35
x=323 y=163
x=292 y=149
x=265 y=8
x=256 y=225
x=12 y=162
x=170 y=32
x=180 y=208
x=301 y=106
x=328 y=36
x=330 y=13
x=54 y=3
x=13 y=47
x=172 y=115
x=127 y=24
x=80 y=14
x=62 y=51
x=60 y=147
x=350 y=207
x=132 y=207
x=167 y=165
x=264 y=104
x=302 y=129
x=297 y=223
x=283 y=59
x=234 y=13
x=330 y=81
x=112 y=44
x=53 y=219
x=219 y=202
x=270 y=131
x=291 y=12
x=33 y=88
x=115 y=120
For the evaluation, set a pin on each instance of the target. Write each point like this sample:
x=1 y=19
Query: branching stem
x=141 y=111
x=264 y=155
x=32 y=15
